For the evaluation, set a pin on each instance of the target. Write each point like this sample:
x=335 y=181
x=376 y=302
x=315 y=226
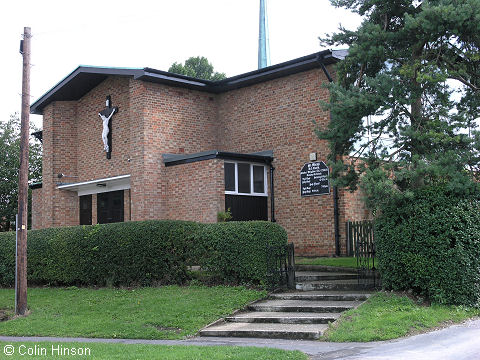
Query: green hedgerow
x=143 y=253
x=431 y=243
x=235 y=252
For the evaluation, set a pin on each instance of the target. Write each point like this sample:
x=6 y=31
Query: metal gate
x=280 y=266
x=361 y=236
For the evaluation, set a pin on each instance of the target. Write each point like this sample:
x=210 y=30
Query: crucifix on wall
x=106 y=114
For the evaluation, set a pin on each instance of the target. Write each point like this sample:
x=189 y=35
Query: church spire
x=263 y=43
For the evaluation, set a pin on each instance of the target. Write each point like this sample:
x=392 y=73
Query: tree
x=9 y=166
x=197 y=67
x=406 y=98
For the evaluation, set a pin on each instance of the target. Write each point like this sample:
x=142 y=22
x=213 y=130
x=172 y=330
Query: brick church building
x=125 y=144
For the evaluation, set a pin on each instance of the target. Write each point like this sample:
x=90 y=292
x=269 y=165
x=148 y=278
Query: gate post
x=291 y=266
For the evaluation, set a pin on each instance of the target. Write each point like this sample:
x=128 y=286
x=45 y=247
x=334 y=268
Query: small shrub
x=431 y=244
x=224 y=216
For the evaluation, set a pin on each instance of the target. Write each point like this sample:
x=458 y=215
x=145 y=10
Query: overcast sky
x=142 y=33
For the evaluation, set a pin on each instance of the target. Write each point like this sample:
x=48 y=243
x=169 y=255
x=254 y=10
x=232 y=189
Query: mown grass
x=140 y=351
x=170 y=312
x=388 y=316
x=350 y=262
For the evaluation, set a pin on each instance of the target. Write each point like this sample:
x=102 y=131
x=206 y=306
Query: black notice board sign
x=314 y=179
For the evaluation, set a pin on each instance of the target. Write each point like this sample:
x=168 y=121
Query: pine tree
x=413 y=71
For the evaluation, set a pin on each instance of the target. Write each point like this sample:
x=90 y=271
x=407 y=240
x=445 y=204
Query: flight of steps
x=322 y=293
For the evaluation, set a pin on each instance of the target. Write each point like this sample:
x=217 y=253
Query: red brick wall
x=154 y=119
x=94 y=209
x=37 y=208
x=72 y=146
x=126 y=205
x=92 y=162
x=279 y=115
x=175 y=120
x=60 y=208
x=195 y=191
x=352 y=208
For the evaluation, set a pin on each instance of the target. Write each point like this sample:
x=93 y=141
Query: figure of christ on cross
x=106 y=115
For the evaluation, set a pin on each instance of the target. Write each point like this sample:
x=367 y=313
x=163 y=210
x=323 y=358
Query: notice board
x=315 y=179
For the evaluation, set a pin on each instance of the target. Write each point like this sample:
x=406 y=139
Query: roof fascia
x=37 y=106
x=152 y=75
x=265 y=157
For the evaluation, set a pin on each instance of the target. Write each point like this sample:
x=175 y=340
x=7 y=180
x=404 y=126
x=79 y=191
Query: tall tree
x=197 y=67
x=407 y=97
x=9 y=166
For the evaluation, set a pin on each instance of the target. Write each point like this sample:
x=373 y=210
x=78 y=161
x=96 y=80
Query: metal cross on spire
x=263 y=42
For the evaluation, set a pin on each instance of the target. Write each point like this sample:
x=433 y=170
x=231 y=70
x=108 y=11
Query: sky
x=143 y=33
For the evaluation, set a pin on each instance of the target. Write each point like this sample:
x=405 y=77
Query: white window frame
x=252 y=193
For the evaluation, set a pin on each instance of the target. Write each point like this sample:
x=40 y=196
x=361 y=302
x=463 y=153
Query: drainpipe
x=272 y=195
x=335 y=188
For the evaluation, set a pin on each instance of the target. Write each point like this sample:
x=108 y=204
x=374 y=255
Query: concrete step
x=301 y=276
x=278 y=317
x=303 y=306
x=324 y=268
x=323 y=295
x=272 y=331
x=350 y=285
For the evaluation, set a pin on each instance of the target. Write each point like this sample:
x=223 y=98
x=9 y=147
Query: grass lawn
x=388 y=316
x=327 y=261
x=170 y=312
x=44 y=350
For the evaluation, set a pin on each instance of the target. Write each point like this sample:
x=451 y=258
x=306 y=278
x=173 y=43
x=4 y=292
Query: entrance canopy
x=115 y=183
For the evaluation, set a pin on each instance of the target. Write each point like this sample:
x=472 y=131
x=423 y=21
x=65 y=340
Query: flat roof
x=263 y=157
x=85 y=78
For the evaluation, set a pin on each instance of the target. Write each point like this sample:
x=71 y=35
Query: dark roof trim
x=85 y=78
x=78 y=83
x=264 y=157
x=36 y=185
x=280 y=70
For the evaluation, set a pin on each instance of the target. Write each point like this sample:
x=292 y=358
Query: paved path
x=458 y=342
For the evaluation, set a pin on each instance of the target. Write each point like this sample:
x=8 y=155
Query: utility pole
x=21 y=290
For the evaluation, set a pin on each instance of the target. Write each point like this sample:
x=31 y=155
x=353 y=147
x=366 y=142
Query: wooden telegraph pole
x=21 y=289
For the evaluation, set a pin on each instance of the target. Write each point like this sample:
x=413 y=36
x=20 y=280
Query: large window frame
x=252 y=192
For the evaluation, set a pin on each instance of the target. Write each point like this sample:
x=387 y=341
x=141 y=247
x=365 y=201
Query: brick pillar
x=60 y=208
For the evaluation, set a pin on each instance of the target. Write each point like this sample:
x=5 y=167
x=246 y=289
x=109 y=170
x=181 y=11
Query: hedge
x=431 y=244
x=142 y=253
x=235 y=252
x=130 y=253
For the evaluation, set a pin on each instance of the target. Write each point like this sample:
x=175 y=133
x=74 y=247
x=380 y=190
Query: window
x=243 y=175
x=245 y=179
x=229 y=177
x=258 y=179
